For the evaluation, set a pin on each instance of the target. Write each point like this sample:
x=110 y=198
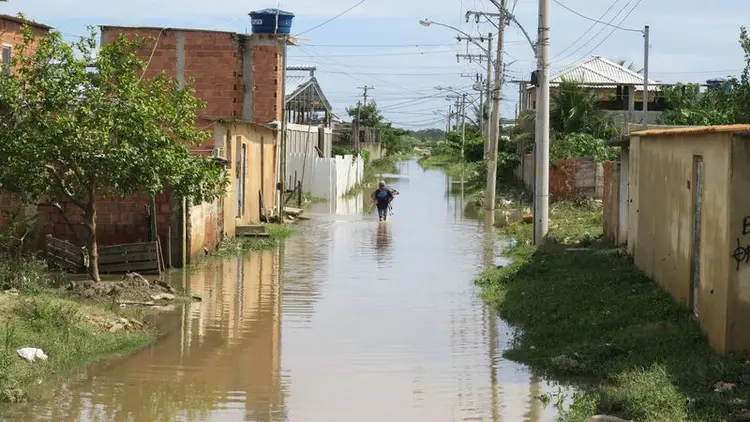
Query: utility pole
x=448 y=119
x=463 y=125
x=541 y=188
x=364 y=94
x=488 y=127
x=357 y=141
x=645 y=76
x=489 y=203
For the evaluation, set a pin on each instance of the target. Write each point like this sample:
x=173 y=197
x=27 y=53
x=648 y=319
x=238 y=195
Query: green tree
x=726 y=103
x=368 y=115
x=575 y=108
x=71 y=134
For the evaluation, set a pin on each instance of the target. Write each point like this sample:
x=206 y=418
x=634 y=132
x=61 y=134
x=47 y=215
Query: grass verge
x=72 y=332
x=592 y=314
x=239 y=245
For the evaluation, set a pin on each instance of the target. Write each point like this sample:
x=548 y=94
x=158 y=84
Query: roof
x=297 y=83
x=601 y=72
x=163 y=28
x=694 y=130
x=22 y=21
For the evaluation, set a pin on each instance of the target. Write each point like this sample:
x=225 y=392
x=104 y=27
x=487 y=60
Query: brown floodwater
x=351 y=320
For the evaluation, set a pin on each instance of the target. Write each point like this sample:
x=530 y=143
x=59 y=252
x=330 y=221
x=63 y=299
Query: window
x=5 y=59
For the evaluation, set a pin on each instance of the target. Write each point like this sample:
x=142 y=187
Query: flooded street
x=351 y=320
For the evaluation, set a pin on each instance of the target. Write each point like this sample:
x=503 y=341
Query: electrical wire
x=595 y=35
x=333 y=18
x=614 y=29
x=559 y=3
x=586 y=31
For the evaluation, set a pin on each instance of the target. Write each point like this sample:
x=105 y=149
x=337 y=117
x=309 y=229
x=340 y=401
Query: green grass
x=592 y=315
x=43 y=317
x=240 y=245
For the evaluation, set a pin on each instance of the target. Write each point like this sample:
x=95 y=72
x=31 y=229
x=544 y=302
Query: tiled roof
x=599 y=71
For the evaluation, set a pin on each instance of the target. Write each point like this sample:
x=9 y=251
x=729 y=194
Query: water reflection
x=381 y=322
x=220 y=358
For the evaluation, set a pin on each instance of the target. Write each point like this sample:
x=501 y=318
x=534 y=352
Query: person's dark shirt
x=383 y=196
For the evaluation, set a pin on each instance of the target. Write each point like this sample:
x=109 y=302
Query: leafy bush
x=577 y=145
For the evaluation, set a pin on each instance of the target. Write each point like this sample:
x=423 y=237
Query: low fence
x=327 y=178
x=568 y=179
x=308 y=139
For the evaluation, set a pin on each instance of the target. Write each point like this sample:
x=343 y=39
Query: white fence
x=304 y=138
x=327 y=178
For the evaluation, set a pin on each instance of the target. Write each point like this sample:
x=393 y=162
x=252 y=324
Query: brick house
x=11 y=34
x=240 y=78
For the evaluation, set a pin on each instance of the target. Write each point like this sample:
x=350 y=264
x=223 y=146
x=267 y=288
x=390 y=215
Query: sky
x=381 y=44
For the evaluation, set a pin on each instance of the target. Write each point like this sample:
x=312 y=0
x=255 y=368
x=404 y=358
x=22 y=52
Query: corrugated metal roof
x=599 y=71
x=295 y=81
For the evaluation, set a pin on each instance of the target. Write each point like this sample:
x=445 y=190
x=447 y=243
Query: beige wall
x=664 y=220
x=739 y=232
x=260 y=175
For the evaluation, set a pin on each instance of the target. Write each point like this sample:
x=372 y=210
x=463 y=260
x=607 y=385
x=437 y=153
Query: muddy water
x=352 y=320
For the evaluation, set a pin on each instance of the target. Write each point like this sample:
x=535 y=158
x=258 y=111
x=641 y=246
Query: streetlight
x=427 y=23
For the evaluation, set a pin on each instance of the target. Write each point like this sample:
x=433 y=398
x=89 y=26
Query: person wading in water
x=382 y=197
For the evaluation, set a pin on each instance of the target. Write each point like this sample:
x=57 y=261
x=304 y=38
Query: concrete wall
x=663 y=246
x=611 y=201
x=738 y=242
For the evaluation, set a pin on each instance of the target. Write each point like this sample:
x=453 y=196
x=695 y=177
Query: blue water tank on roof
x=271 y=21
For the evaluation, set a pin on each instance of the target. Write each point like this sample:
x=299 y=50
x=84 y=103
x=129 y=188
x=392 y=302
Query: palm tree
x=574 y=108
x=628 y=65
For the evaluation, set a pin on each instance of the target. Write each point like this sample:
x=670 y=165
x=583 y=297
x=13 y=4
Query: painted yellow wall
x=738 y=311
x=663 y=246
x=634 y=158
x=260 y=174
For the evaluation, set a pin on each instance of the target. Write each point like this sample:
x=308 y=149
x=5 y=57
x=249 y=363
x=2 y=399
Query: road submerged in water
x=350 y=320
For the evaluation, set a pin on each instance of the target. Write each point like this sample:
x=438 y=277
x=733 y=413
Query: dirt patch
x=133 y=289
x=114 y=325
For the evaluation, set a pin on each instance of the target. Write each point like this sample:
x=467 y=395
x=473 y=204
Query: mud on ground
x=133 y=289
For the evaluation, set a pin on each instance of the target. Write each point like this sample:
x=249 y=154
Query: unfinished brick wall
x=568 y=179
x=267 y=80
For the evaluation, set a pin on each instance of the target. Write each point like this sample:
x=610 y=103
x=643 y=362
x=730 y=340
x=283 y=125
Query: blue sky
x=380 y=43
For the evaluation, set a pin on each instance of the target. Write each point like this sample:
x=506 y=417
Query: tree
x=368 y=115
x=628 y=65
x=574 y=108
x=724 y=103
x=72 y=134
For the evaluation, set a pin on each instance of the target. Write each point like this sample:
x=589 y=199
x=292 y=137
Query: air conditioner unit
x=218 y=153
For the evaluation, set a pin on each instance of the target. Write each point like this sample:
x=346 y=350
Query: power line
x=587 y=30
x=333 y=18
x=597 y=34
x=613 y=29
x=412 y=53
x=559 y=3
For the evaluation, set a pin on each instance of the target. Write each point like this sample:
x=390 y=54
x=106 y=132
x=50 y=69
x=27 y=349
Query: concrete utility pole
x=357 y=141
x=490 y=191
x=463 y=125
x=364 y=94
x=541 y=188
x=645 y=76
x=488 y=56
